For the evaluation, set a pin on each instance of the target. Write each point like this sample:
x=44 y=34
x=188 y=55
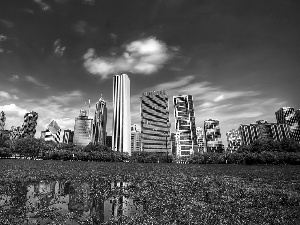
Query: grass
x=169 y=193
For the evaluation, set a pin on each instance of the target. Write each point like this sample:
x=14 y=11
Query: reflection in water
x=69 y=196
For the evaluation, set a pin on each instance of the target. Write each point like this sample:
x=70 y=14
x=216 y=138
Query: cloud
x=5 y=95
x=144 y=56
x=35 y=81
x=58 y=49
x=7 y=23
x=14 y=78
x=44 y=6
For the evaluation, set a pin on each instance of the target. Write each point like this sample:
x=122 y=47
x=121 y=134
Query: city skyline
x=238 y=60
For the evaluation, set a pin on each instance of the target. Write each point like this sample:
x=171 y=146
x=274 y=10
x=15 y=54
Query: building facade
x=213 y=141
x=262 y=129
x=291 y=117
x=82 y=129
x=121 y=136
x=234 y=140
x=186 y=138
x=68 y=136
x=200 y=139
x=135 y=137
x=99 y=123
x=155 y=122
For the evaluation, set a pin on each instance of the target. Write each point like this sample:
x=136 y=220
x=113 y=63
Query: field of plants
x=78 y=192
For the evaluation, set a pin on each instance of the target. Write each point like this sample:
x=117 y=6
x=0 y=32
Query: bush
x=5 y=152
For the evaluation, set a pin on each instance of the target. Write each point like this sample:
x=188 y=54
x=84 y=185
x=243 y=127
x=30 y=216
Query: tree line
x=262 y=151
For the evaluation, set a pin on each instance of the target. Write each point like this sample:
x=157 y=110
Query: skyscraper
x=155 y=122
x=121 y=114
x=82 y=129
x=213 y=139
x=186 y=139
x=68 y=136
x=291 y=117
x=99 y=123
x=200 y=139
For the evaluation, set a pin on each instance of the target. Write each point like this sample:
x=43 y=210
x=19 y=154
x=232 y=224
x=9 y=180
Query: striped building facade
x=99 y=123
x=291 y=117
x=82 y=129
x=155 y=123
x=52 y=132
x=121 y=138
x=68 y=136
x=251 y=132
x=186 y=138
x=213 y=141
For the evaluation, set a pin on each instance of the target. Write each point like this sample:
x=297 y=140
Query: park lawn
x=169 y=193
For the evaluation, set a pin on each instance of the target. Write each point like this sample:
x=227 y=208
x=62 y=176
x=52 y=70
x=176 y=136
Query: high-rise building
x=173 y=142
x=186 y=139
x=200 y=139
x=212 y=132
x=2 y=120
x=121 y=114
x=135 y=137
x=109 y=141
x=291 y=117
x=99 y=123
x=82 y=129
x=234 y=140
x=262 y=129
x=155 y=122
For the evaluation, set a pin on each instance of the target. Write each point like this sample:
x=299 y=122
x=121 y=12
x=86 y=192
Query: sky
x=239 y=59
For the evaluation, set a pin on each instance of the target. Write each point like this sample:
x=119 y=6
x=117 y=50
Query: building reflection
x=82 y=198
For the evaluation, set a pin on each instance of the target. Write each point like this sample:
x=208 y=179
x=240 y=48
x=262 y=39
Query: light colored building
x=99 y=123
x=213 y=139
x=135 y=137
x=121 y=136
x=200 y=139
x=234 y=140
x=186 y=139
x=82 y=129
x=291 y=117
x=155 y=124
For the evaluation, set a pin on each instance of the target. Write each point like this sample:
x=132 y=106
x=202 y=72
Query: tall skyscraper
x=82 y=129
x=135 y=137
x=200 y=139
x=155 y=122
x=291 y=117
x=186 y=139
x=213 y=139
x=234 y=140
x=52 y=132
x=121 y=114
x=99 y=123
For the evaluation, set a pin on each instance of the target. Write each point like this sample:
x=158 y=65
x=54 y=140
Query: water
x=97 y=202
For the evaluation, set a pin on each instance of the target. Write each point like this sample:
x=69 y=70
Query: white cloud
x=44 y=6
x=35 y=81
x=143 y=56
x=5 y=95
x=58 y=49
x=14 y=78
